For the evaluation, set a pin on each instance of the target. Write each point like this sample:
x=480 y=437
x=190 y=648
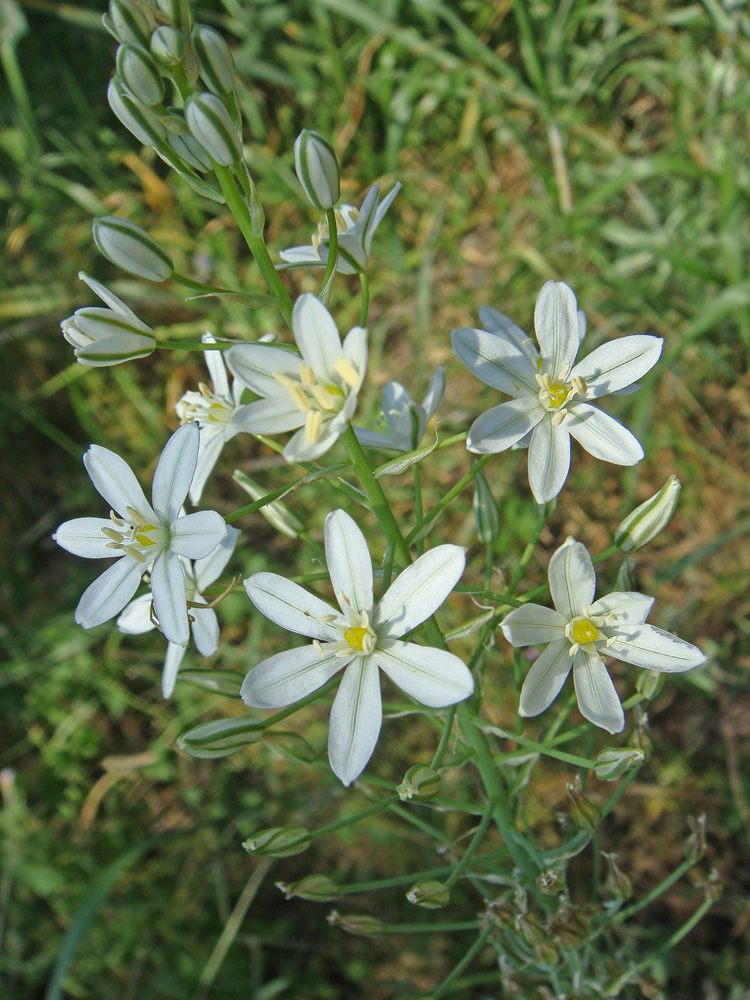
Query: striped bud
x=612 y=763
x=646 y=521
x=214 y=59
x=131 y=248
x=276 y=512
x=319 y=888
x=420 y=782
x=278 y=842
x=136 y=117
x=102 y=337
x=140 y=74
x=429 y=893
x=221 y=737
x=190 y=150
x=126 y=22
x=317 y=169
x=486 y=513
x=167 y=46
x=210 y=123
x=170 y=9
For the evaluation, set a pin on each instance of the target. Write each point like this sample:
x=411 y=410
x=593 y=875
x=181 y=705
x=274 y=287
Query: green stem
x=418 y=510
x=392 y=883
x=333 y=257
x=443 y=744
x=346 y=821
x=286 y=712
x=429 y=929
x=473 y=847
x=463 y=964
x=449 y=497
x=527 y=554
x=649 y=897
x=387 y=568
x=199 y=286
x=365 y=307
x=192 y=345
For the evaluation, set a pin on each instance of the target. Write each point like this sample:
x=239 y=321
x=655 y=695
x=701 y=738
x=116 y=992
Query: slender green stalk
x=192 y=345
x=387 y=567
x=465 y=962
x=528 y=552
x=443 y=744
x=409 y=879
x=199 y=286
x=418 y=511
x=286 y=712
x=473 y=847
x=448 y=498
x=333 y=257
x=346 y=821
x=657 y=891
x=364 y=285
x=428 y=929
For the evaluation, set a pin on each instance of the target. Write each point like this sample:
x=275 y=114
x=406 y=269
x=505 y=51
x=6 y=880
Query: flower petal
x=419 y=591
x=197 y=535
x=496 y=322
x=556 y=325
x=374 y=439
x=615 y=365
x=549 y=459
x=289 y=676
x=83 y=536
x=110 y=592
x=349 y=563
x=356 y=717
x=272 y=415
x=317 y=336
x=546 y=677
x=292 y=607
x=495 y=361
x=299 y=257
x=502 y=426
x=209 y=568
x=433 y=677
x=170 y=602
x=653 y=648
x=572 y=580
x=172 y=662
x=136 y=618
x=627 y=607
x=216 y=368
x=107 y=297
x=435 y=392
x=205 y=630
x=299 y=449
x=255 y=365
x=174 y=472
x=355 y=351
x=211 y=443
x=114 y=480
x=598 y=700
x=533 y=625
x=602 y=436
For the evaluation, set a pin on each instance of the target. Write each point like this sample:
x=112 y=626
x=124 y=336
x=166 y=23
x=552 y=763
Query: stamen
x=319 y=649
x=306 y=374
x=574 y=649
x=205 y=391
x=114 y=535
x=348 y=372
x=322 y=396
x=612 y=639
x=540 y=381
x=579 y=385
x=558 y=417
x=313 y=424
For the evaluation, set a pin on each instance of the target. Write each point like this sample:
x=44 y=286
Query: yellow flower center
x=584 y=631
x=356 y=637
x=556 y=394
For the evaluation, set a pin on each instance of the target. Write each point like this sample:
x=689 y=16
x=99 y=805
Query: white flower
x=581 y=632
x=143 y=536
x=108 y=336
x=355 y=228
x=359 y=639
x=316 y=393
x=551 y=393
x=406 y=421
x=204 y=625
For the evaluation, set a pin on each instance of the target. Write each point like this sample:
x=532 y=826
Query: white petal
x=572 y=580
x=211 y=443
x=289 y=676
x=435 y=392
x=349 y=563
x=209 y=568
x=495 y=361
x=110 y=592
x=136 y=618
x=316 y=335
x=419 y=591
x=300 y=257
x=602 y=436
x=172 y=662
x=123 y=346
x=205 y=630
x=374 y=439
x=504 y=425
x=627 y=607
x=533 y=625
x=433 y=677
x=549 y=459
x=197 y=535
x=292 y=607
x=378 y=214
x=496 y=322
x=546 y=677
x=255 y=365
x=114 y=480
x=355 y=350
x=107 y=297
x=556 y=325
x=299 y=449
x=272 y=415
x=174 y=472
x=170 y=602
x=356 y=717
x=216 y=368
x=653 y=648
x=619 y=363
x=83 y=536
x=598 y=700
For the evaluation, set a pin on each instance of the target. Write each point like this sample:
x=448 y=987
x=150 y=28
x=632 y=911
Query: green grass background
x=600 y=143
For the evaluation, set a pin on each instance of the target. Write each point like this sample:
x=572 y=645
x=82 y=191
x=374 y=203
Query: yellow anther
x=579 y=385
x=348 y=372
x=116 y=536
x=322 y=396
x=306 y=374
x=318 y=649
x=558 y=416
x=205 y=391
x=584 y=631
x=357 y=636
x=313 y=423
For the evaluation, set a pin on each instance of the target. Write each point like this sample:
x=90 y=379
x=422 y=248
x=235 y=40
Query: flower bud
x=646 y=521
x=126 y=22
x=617 y=883
x=552 y=882
x=695 y=845
x=211 y=124
x=317 y=169
x=140 y=74
x=278 y=842
x=318 y=888
x=649 y=683
x=221 y=737
x=190 y=150
x=131 y=248
x=429 y=893
x=167 y=46
x=214 y=59
x=355 y=924
x=420 y=782
x=103 y=337
x=486 y=513
x=136 y=117
x=170 y=9
x=276 y=512
x=612 y=763
x=585 y=814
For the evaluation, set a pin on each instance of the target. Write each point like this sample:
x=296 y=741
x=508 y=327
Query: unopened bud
x=695 y=845
x=429 y=893
x=140 y=74
x=318 y=888
x=126 y=22
x=214 y=59
x=135 y=116
x=317 y=169
x=617 y=883
x=355 y=924
x=486 y=513
x=612 y=763
x=167 y=46
x=649 y=683
x=531 y=929
x=190 y=150
x=211 y=124
x=172 y=9
x=276 y=512
x=278 y=842
x=646 y=521
x=585 y=814
x=552 y=882
x=221 y=737
x=420 y=782
x=131 y=248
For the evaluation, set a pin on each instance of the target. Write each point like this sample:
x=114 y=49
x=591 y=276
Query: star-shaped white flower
x=144 y=536
x=550 y=392
x=316 y=392
x=359 y=639
x=580 y=632
x=405 y=420
x=104 y=337
x=355 y=228
x=204 y=625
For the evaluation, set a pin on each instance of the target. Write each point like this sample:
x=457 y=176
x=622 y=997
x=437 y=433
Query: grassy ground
x=602 y=144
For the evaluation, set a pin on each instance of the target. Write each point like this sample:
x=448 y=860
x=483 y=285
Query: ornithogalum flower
x=144 y=537
x=580 y=632
x=316 y=392
x=405 y=421
x=103 y=337
x=360 y=639
x=204 y=625
x=355 y=228
x=551 y=393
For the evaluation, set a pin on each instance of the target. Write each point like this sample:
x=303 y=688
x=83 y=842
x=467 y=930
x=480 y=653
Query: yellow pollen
x=348 y=372
x=355 y=637
x=322 y=396
x=313 y=423
x=584 y=631
x=557 y=394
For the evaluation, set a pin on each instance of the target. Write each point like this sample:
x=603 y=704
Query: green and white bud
x=276 y=512
x=221 y=737
x=317 y=169
x=278 y=842
x=552 y=882
x=646 y=521
x=140 y=74
x=486 y=513
x=167 y=46
x=649 y=683
x=318 y=888
x=171 y=8
x=189 y=150
x=107 y=336
x=429 y=893
x=360 y=924
x=131 y=248
x=585 y=814
x=214 y=59
x=211 y=124
x=135 y=116
x=127 y=22
x=613 y=762
x=420 y=782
